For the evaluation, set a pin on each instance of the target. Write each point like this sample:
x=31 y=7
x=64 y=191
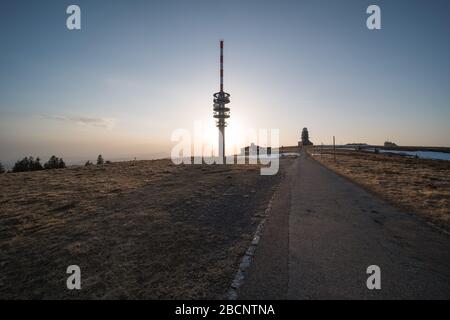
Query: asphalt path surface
x=325 y=231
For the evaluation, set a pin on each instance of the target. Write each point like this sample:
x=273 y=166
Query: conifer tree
x=100 y=159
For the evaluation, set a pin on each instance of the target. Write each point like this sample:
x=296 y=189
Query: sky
x=138 y=70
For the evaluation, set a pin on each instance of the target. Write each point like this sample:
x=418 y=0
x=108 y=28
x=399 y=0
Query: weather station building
x=304 y=140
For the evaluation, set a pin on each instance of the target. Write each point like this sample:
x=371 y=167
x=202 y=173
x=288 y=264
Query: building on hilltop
x=305 y=138
x=253 y=149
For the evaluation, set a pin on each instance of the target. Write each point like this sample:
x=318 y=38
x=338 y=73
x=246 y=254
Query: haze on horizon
x=137 y=71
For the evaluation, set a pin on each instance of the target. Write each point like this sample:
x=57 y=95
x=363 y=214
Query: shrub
x=2 y=168
x=88 y=163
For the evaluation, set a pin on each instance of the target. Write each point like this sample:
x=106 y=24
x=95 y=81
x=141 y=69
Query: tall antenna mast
x=221 y=65
x=221 y=112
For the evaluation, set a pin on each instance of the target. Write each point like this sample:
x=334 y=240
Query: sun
x=237 y=135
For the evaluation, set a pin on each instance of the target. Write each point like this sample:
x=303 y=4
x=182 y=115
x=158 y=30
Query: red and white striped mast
x=221 y=65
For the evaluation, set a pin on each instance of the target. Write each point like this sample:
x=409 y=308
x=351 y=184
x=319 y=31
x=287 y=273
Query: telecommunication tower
x=221 y=112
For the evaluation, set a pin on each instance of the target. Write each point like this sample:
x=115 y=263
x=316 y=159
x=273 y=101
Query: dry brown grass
x=140 y=229
x=419 y=185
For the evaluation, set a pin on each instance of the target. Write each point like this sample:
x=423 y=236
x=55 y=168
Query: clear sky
x=138 y=70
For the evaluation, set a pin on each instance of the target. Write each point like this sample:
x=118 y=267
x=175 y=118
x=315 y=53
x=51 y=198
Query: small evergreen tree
x=100 y=159
x=61 y=164
x=2 y=168
x=21 y=165
x=27 y=164
x=88 y=163
x=54 y=163
x=36 y=165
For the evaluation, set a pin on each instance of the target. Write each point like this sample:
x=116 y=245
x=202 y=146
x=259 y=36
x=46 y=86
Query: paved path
x=323 y=233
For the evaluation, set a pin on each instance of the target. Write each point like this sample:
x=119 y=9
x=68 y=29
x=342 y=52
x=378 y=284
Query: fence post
x=334 y=149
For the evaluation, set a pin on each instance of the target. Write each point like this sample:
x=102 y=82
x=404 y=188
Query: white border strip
x=247 y=258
